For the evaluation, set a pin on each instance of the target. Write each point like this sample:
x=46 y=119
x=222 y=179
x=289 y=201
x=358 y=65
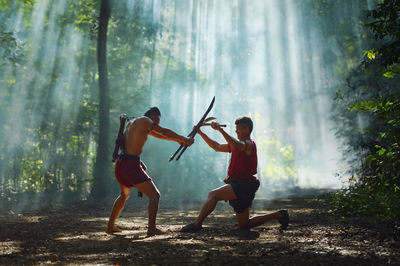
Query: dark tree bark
x=102 y=166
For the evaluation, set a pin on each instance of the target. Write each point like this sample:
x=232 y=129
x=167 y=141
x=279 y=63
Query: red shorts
x=130 y=172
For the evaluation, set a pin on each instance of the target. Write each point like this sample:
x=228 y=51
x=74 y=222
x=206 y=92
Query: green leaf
x=371 y=54
x=388 y=74
x=381 y=151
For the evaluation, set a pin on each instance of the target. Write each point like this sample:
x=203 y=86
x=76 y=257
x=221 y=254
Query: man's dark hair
x=152 y=111
x=245 y=121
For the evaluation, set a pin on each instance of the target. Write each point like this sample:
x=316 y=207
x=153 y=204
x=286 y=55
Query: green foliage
x=55 y=152
x=280 y=166
x=371 y=54
x=84 y=14
x=7 y=4
x=386 y=30
x=368 y=108
x=359 y=202
x=382 y=163
x=55 y=97
x=11 y=49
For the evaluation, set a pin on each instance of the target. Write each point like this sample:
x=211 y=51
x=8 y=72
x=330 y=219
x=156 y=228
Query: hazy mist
x=267 y=59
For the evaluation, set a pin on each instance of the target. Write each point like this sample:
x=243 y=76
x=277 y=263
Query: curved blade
x=209 y=124
x=208 y=119
x=194 y=131
x=198 y=125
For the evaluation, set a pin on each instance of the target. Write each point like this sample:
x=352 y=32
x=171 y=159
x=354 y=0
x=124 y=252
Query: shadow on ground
x=76 y=236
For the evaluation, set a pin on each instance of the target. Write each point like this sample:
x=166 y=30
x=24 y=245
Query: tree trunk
x=102 y=166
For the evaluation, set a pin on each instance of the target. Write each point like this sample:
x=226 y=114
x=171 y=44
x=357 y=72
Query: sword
x=194 y=131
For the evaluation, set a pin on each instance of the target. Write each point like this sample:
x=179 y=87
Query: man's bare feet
x=113 y=230
x=156 y=231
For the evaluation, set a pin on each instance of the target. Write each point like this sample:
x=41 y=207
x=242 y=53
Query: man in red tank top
x=241 y=183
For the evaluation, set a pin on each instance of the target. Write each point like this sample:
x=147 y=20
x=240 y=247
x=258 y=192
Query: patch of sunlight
x=9 y=247
x=141 y=236
x=324 y=240
x=181 y=242
x=93 y=257
x=345 y=251
x=21 y=217
x=67 y=238
x=94 y=219
x=359 y=248
x=99 y=236
x=33 y=219
x=173 y=213
x=302 y=211
x=189 y=213
x=224 y=215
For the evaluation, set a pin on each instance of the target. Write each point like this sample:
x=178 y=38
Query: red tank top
x=243 y=166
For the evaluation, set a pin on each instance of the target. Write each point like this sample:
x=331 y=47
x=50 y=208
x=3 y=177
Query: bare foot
x=113 y=230
x=156 y=231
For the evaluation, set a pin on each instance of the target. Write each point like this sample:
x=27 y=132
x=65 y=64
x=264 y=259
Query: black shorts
x=245 y=190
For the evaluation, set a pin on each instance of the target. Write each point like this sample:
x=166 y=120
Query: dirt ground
x=75 y=235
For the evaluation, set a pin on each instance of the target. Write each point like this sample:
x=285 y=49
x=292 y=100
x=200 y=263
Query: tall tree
x=102 y=160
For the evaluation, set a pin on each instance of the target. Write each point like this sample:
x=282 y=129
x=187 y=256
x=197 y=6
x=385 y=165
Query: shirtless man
x=241 y=184
x=131 y=173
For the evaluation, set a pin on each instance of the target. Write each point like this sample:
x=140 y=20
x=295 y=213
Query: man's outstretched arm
x=167 y=134
x=157 y=135
x=213 y=144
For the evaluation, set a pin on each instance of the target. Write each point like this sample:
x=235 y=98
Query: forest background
x=58 y=125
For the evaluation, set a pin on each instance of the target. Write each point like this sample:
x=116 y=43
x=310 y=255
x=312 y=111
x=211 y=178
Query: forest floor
x=75 y=235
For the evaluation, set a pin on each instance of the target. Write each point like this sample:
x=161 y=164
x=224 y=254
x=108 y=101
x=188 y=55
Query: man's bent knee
x=213 y=195
x=125 y=196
